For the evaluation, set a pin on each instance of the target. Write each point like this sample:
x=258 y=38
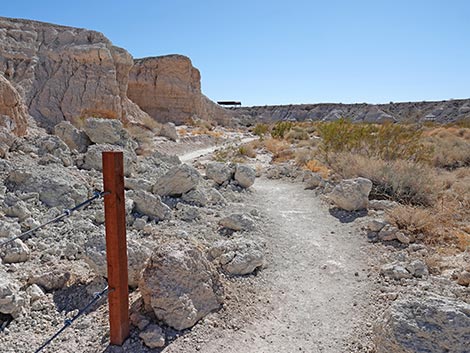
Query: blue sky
x=286 y=52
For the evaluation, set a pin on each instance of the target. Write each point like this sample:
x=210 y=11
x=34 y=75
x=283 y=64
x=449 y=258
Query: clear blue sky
x=282 y=52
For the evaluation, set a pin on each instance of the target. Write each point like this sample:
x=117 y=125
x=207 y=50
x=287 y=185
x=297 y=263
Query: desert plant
x=297 y=133
x=260 y=130
x=281 y=128
x=247 y=150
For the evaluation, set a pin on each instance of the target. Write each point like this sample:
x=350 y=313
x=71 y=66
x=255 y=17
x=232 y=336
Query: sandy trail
x=315 y=273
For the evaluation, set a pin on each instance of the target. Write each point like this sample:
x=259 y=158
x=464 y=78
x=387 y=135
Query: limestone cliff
x=440 y=112
x=64 y=73
x=168 y=88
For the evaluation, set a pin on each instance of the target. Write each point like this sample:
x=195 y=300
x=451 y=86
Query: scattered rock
x=11 y=302
x=149 y=204
x=351 y=194
x=464 y=278
x=50 y=280
x=424 y=324
x=75 y=139
x=417 y=268
x=312 y=180
x=188 y=213
x=15 y=252
x=376 y=225
x=388 y=233
x=105 y=131
x=94 y=159
x=245 y=176
x=237 y=222
x=180 y=285
x=56 y=185
x=137 y=254
x=395 y=271
x=177 y=181
x=137 y=184
x=219 y=172
x=382 y=205
x=195 y=197
x=168 y=130
x=153 y=336
x=403 y=238
x=139 y=321
x=238 y=256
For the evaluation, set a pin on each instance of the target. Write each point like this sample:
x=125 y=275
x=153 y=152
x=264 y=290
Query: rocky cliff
x=440 y=112
x=13 y=112
x=65 y=73
x=168 y=88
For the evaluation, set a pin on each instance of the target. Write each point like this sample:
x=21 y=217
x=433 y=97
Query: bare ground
x=314 y=291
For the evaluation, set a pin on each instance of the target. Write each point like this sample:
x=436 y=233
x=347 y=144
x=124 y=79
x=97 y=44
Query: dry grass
x=451 y=147
x=247 y=150
x=402 y=181
x=317 y=167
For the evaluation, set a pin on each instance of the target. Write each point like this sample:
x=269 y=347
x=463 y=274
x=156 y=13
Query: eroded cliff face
x=13 y=112
x=439 y=112
x=168 y=88
x=65 y=73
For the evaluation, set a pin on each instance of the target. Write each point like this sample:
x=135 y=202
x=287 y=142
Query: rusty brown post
x=116 y=246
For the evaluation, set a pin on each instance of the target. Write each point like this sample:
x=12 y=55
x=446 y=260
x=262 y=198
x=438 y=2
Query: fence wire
x=69 y=322
x=66 y=213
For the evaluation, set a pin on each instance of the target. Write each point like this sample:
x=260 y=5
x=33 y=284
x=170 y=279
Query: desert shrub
x=402 y=181
x=297 y=133
x=451 y=147
x=386 y=141
x=247 y=150
x=281 y=128
x=303 y=155
x=411 y=219
x=260 y=130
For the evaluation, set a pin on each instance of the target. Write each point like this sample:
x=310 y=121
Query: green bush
x=281 y=128
x=260 y=130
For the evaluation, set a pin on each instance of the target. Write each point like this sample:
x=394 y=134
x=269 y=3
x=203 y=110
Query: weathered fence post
x=116 y=246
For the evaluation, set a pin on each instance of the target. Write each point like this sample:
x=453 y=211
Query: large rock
x=65 y=73
x=137 y=254
x=177 y=181
x=11 y=301
x=424 y=324
x=219 y=172
x=180 y=285
x=94 y=157
x=168 y=88
x=245 y=176
x=103 y=131
x=237 y=222
x=13 y=112
x=238 y=256
x=74 y=138
x=56 y=185
x=352 y=194
x=15 y=252
x=149 y=204
x=168 y=130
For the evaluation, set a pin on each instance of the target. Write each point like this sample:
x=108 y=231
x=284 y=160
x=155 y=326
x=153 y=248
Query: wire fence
x=97 y=296
x=69 y=322
x=66 y=213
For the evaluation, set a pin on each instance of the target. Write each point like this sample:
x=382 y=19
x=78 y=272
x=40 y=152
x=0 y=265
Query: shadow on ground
x=347 y=216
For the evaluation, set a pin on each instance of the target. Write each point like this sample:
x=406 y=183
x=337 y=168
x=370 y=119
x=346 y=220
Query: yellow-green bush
x=281 y=128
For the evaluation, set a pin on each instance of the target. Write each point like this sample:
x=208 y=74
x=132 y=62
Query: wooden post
x=116 y=246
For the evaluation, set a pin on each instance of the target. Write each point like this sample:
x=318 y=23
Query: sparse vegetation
x=281 y=128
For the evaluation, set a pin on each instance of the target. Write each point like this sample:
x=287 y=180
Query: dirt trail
x=316 y=274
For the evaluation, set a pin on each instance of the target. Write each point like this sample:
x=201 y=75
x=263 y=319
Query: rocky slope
x=168 y=88
x=440 y=112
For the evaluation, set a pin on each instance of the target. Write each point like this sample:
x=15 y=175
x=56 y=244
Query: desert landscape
x=328 y=228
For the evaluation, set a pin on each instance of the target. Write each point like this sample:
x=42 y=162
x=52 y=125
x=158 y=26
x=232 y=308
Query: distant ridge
x=439 y=111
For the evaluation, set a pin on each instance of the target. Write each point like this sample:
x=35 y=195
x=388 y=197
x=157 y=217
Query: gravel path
x=317 y=299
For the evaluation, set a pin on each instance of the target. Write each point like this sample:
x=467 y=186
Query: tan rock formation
x=168 y=88
x=66 y=73
x=13 y=114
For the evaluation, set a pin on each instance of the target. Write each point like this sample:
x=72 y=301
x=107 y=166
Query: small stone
x=402 y=238
x=376 y=225
x=237 y=222
x=464 y=278
x=153 y=336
